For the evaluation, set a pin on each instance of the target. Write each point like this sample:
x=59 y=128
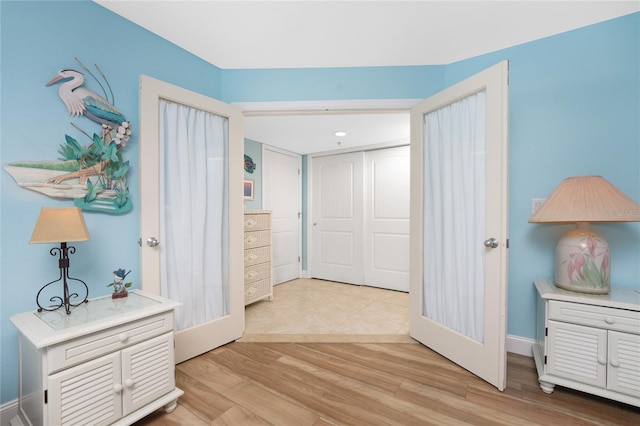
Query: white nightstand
x=111 y=361
x=590 y=343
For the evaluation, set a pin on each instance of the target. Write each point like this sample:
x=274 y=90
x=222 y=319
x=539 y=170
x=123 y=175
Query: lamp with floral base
x=583 y=258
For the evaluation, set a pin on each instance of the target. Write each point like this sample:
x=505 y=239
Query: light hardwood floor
x=360 y=379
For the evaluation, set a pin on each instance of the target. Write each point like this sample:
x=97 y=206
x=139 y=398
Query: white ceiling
x=307 y=133
x=300 y=34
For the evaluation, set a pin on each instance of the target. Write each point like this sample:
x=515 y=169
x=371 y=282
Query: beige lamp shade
x=587 y=199
x=60 y=224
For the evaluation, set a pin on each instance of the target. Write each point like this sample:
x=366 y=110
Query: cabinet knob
x=129 y=383
x=602 y=361
x=123 y=337
x=117 y=388
x=615 y=363
x=609 y=320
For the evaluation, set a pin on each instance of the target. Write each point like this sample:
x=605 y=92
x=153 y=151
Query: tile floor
x=318 y=310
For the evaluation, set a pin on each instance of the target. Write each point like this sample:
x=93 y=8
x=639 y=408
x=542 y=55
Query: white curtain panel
x=194 y=213
x=454 y=215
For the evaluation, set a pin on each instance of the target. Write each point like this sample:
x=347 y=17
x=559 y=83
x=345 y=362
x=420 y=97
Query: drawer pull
x=123 y=337
x=251 y=274
x=609 y=320
x=251 y=239
x=129 y=383
x=117 y=388
x=251 y=223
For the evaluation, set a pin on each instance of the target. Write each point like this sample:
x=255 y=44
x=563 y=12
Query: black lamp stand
x=63 y=263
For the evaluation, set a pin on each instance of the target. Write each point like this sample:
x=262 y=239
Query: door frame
x=331 y=107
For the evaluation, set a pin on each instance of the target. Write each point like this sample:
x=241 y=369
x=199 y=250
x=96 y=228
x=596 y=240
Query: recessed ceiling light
x=340 y=133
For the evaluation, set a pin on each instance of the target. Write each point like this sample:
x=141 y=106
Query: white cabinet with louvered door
x=258 y=282
x=109 y=362
x=588 y=342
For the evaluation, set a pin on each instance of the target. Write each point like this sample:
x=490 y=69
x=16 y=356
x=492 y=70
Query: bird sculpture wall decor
x=95 y=175
x=101 y=158
x=82 y=101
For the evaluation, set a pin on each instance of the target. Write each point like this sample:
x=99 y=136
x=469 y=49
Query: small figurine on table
x=119 y=287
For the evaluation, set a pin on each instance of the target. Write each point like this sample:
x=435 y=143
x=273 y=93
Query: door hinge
x=545 y=360
x=299 y=215
x=298 y=172
x=46 y=396
x=298 y=259
x=507 y=243
x=546 y=331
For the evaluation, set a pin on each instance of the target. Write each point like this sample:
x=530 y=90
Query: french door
x=191 y=212
x=459 y=212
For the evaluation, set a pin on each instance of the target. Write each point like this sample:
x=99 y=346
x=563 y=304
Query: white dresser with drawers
x=589 y=342
x=108 y=362
x=258 y=283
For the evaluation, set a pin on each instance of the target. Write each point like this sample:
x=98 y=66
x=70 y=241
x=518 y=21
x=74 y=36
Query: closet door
x=282 y=195
x=386 y=218
x=336 y=220
x=360 y=218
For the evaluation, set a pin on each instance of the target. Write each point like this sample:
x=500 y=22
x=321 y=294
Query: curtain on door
x=194 y=218
x=454 y=158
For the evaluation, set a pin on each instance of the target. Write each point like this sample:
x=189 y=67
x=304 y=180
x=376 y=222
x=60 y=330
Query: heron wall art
x=94 y=175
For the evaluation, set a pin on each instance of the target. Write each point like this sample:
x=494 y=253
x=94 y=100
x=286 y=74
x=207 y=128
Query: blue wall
x=575 y=103
x=574 y=110
x=37 y=40
x=254 y=150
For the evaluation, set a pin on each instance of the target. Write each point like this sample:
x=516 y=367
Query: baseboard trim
x=8 y=411
x=520 y=345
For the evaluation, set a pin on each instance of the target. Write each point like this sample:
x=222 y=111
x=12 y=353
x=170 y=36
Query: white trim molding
x=520 y=345
x=8 y=411
x=254 y=109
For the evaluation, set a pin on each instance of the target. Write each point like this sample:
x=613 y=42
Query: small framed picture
x=248 y=189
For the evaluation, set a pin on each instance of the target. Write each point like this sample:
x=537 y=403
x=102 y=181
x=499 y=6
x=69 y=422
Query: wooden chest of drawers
x=258 y=282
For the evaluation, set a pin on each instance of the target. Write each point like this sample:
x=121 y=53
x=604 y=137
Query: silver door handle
x=491 y=243
x=152 y=241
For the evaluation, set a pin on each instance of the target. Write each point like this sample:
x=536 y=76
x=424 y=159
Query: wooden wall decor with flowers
x=94 y=174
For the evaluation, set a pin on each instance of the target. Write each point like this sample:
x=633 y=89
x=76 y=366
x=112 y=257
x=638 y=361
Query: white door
x=386 y=218
x=208 y=329
x=459 y=213
x=336 y=228
x=282 y=194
